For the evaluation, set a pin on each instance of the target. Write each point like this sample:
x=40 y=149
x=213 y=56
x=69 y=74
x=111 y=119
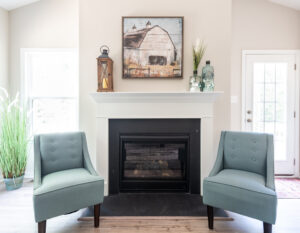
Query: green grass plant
x=14 y=138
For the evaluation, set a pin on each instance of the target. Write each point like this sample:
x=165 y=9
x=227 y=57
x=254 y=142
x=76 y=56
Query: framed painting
x=152 y=47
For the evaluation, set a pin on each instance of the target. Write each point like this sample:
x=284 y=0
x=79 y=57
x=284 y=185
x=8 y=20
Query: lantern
x=105 y=70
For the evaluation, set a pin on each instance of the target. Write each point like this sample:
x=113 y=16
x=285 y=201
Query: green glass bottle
x=208 y=77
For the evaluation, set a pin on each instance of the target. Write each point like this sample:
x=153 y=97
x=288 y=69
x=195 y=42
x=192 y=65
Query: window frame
x=24 y=83
x=27 y=100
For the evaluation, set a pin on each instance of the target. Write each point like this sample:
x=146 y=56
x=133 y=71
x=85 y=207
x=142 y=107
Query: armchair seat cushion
x=241 y=192
x=66 y=191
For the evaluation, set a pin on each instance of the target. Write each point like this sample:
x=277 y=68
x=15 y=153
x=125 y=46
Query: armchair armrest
x=218 y=166
x=37 y=163
x=86 y=157
x=270 y=182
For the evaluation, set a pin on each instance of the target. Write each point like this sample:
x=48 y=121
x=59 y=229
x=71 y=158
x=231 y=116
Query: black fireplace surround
x=154 y=155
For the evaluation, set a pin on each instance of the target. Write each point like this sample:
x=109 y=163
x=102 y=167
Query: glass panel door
x=270 y=104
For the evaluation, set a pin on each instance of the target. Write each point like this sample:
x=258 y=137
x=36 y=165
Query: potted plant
x=13 y=141
x=198 y=53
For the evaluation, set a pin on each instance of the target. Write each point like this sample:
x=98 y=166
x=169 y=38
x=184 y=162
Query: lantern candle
x=105 y=83
x=105 y=70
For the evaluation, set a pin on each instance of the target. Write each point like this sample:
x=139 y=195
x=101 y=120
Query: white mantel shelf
x=153 y=97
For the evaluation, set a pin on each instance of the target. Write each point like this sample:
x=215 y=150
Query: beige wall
x=258 y=25
x=227 y=26
x=4 y=30
x=45 y=24
x=100 y=23
x=54 y=23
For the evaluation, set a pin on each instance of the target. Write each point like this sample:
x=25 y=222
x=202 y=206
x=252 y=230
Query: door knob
x=249 y=120
x=249 y=111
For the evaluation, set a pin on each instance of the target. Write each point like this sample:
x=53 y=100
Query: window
x=157 y=60
x=50 y=90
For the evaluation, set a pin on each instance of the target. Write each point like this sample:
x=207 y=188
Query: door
x=270 y=104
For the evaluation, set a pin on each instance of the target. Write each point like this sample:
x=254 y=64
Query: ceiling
x=13 y=4
x=289 y=3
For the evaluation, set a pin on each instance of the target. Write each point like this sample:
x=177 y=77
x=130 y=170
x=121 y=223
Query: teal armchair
x=64 y=178
x=242 y=179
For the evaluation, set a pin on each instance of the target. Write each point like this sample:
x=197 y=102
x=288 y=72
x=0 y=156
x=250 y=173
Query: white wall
x=258 y=24
x=100 y=23
x=54 y=23
x=227 y=26
x=45 y=24
x=4 y=30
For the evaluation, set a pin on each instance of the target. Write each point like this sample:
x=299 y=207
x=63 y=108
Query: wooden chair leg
x=267 y=227
x=210 y=215
x=96 y=215
x=42 y=227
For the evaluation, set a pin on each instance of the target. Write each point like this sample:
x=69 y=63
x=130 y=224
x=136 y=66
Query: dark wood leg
x=96 y=215
x=210 y=215
x=267 y=227
x=42 y=227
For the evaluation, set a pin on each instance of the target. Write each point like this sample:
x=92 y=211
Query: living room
x=185 y=114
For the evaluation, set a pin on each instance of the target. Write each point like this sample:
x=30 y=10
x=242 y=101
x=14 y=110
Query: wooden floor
x=288 y=188
x=16 y=216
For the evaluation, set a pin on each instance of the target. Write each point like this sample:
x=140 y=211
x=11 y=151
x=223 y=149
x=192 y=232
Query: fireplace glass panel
x=154 y=161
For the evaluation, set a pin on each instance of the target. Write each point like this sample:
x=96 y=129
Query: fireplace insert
x=154 y=155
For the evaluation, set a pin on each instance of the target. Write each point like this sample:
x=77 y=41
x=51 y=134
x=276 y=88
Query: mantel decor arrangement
x=14 y=140
x=152 y=47
x=105 y=70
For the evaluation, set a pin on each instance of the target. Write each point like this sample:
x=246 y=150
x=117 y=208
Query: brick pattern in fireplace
x=154 y=160
x=157 y=155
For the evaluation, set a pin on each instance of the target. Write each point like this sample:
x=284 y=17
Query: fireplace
x=154 y=155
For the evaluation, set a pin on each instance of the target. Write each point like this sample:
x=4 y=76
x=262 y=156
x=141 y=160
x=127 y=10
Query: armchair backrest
x=245 y=151
x=60 y=152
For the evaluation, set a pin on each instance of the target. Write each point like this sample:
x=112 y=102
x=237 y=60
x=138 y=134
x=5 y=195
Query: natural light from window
x=51 y=89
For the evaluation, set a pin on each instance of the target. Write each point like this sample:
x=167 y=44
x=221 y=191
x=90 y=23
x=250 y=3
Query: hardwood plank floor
x=16 y=216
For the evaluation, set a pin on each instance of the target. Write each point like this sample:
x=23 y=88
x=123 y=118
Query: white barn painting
x=152 y=47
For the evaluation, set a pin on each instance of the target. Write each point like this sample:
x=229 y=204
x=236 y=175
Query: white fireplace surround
x=141 y=105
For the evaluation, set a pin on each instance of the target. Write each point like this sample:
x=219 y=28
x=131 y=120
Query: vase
x=208 y=77
x=195 y=82
x=13 y=183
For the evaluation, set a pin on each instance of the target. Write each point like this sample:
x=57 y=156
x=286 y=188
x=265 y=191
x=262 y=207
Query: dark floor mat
x=152 y=204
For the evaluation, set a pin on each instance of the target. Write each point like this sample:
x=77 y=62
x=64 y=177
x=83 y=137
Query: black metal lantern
x=105 y=70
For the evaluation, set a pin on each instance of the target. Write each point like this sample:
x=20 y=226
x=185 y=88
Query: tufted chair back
x=245 y=151
x=60 y=152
